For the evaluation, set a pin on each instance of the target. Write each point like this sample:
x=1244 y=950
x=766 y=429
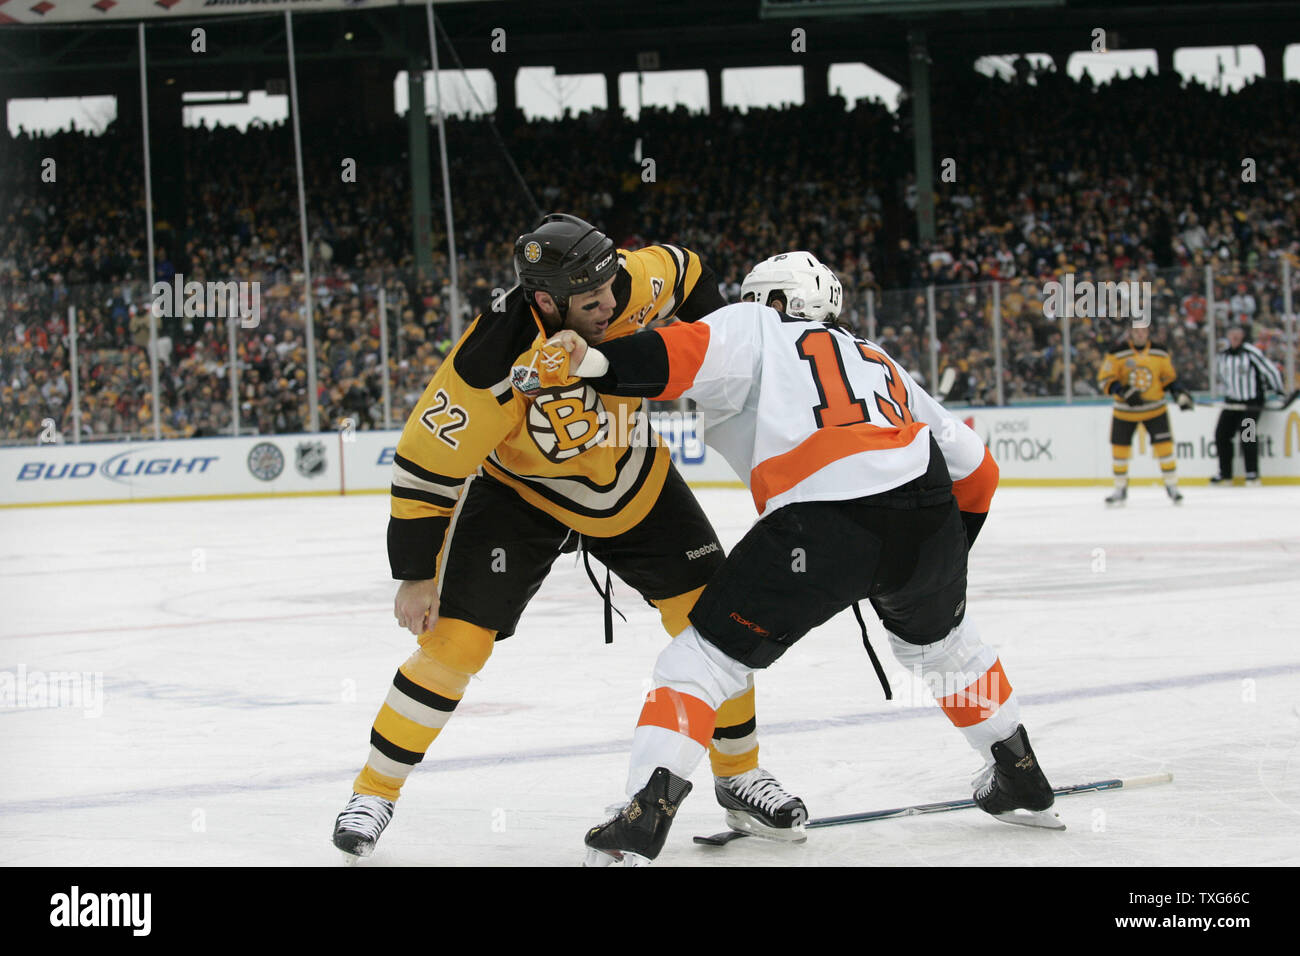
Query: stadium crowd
x=1136 y=179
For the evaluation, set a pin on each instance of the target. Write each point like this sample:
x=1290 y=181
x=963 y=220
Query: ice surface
x=244 y=648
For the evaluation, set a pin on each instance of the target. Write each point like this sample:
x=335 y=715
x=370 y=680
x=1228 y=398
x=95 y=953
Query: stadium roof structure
x=595 y=36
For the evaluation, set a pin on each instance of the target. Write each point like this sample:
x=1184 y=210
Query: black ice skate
x=1117 y=497
x=358 y=827
x=1175 y=495
x=1014 y=782
x=637 y=833
x=758 y=805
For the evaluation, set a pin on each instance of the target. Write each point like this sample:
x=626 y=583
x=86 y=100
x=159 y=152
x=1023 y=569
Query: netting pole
x=452 y=270
x=383 y=354
x=148 y=231
x=997 y=340
x=933 y=329
x=871 y=314
x=1210 y=323
x=1065 y=337
x=234 y=374
x=73 y=369
x=313 y=404
x=1289 y=323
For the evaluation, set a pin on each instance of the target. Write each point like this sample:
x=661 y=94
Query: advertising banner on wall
x=192 y=469
x=358 y=462
x=1032 y=446
x=1071 y=444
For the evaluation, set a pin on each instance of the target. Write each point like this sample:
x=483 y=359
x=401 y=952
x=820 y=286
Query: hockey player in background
x=867 y=489
x=496 y=474
x=1139 y=375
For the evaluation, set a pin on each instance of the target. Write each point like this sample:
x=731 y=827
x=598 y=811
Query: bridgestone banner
x=99 y=11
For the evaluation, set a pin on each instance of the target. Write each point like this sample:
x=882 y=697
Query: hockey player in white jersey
x=867 y=489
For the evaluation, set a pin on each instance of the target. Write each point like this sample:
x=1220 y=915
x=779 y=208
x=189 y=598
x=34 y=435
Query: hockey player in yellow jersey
x=497 y=472
x=1139 y=375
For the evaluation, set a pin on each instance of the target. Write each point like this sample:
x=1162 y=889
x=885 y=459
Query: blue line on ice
x=120 y=798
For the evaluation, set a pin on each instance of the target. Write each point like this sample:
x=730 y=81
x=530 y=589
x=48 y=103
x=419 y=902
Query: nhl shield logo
x=310 y=459
x=533 y=251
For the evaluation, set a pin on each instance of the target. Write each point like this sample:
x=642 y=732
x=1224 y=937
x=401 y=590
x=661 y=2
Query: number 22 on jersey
x=442 y=407
x=838 y=405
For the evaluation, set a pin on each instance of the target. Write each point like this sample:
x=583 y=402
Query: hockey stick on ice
x=725 y=837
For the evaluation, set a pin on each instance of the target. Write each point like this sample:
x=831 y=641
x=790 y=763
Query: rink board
x=1064 y=445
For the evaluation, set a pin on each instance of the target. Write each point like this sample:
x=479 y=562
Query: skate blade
x=744 y=823
x=598 y=858
x=1039 y=819
x=352 y=859
x=608 y=858
x=726 y=836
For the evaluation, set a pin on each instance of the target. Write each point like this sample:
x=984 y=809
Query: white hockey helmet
x=809 y=288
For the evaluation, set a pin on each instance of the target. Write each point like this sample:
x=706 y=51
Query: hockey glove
x=572 y=358
x=1185 y=401
x=1126 y=393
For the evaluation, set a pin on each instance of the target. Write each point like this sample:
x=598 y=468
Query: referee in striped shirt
x=1247 y=377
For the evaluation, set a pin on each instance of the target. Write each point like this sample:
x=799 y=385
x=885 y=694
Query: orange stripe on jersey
x=682 y=713
x=824 y=446
x=980 y=700
x=975 y=491
x=686 y=343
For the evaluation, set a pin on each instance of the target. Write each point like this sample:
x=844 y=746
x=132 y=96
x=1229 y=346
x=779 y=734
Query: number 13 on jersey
x=838 y=405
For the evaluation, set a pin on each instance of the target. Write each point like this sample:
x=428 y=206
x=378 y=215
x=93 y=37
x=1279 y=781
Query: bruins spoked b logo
x=567 y=421
x=533 y=251
x=1141 y=377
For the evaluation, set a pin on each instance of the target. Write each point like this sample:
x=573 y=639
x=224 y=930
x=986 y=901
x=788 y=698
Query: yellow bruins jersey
x=589 y=460
x=1149 y=368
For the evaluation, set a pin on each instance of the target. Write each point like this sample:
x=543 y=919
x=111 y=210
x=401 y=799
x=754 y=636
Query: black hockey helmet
x=564 y=256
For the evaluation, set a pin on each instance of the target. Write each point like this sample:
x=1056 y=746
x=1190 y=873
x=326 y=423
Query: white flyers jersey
x=807 y=412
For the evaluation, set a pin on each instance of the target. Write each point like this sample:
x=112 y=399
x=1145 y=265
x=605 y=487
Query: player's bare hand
x=571 y=342
x=416 y=605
